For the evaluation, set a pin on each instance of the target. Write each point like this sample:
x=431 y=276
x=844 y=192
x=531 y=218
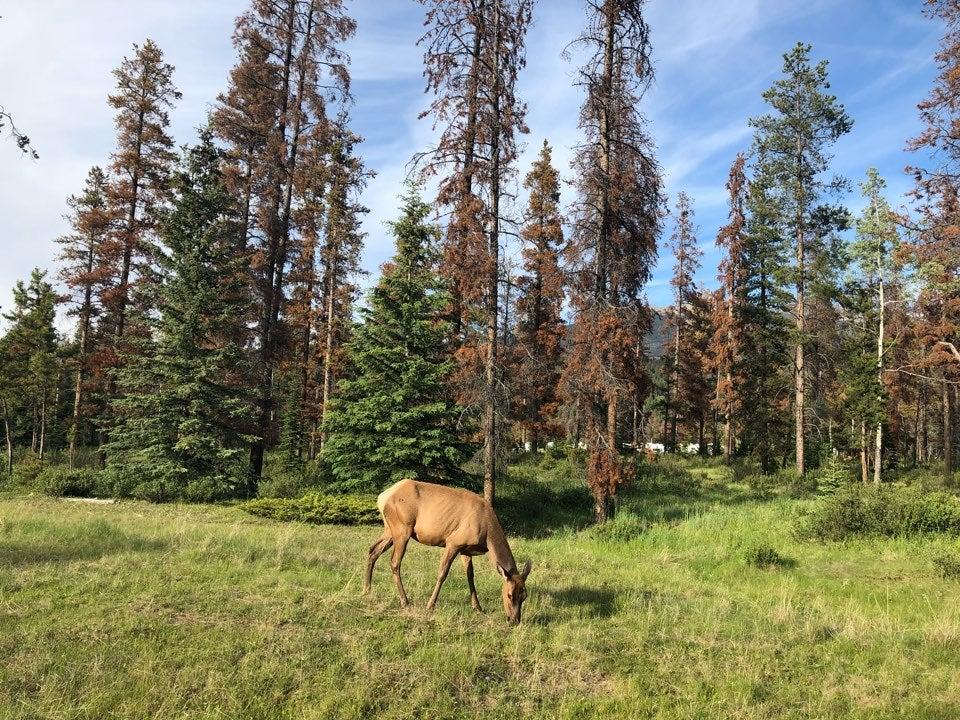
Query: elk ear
x=503 y=573
x=526 y=570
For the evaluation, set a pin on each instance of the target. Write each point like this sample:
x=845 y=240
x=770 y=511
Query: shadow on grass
x=63 y=545
x=533 y=509
x=594 y=603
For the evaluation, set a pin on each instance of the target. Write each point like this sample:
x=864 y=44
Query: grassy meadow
x=689 y=605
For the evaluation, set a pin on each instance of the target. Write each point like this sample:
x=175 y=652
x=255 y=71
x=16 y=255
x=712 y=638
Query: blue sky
x=713 y=59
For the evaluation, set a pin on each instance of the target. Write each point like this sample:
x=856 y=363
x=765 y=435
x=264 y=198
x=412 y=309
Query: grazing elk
x=461 y=522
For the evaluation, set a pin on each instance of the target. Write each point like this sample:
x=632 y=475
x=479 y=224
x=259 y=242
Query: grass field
x=141 y=611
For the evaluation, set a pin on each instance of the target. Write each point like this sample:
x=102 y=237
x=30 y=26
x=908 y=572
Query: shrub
x=947 y=565
x=60 y=481
x=886 y=511
x=761 y=486
x=832 y=476
x=317 y=508
x=622 y=528
x=667 y=475
x=294 y=480
x=764 y=556
x=26 y=470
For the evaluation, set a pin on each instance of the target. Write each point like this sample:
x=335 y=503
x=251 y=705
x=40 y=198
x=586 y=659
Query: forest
x=228 y=356
x=221 y=336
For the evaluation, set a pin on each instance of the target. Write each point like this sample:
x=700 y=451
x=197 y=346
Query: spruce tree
x=31 y=363
x=793 y=142
x=182 y=415
x=393 y=419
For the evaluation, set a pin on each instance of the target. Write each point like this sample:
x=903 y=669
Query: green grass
x=140 y=611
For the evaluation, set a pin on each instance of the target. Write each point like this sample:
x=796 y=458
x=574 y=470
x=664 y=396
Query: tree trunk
x=864 y=470
x=493 y=278
x=43 y=424
x=9 y=436
x=878 y=441
x=280 y=239
x=948 y=459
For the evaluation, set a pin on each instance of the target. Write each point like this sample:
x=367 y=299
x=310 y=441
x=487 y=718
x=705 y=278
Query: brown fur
x=458 y=520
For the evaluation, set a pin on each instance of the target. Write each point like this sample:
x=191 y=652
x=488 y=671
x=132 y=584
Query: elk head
x=514 y=591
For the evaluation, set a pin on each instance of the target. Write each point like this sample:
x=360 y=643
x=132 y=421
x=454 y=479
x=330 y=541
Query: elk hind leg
x=382 y=544
x=468 y=565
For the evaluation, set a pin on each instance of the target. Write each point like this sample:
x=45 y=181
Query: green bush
x=761 y=486
x=62 y=481
x=667 y=475
x=763 y=556
x=832 y=476
x=26 y=470
x=886 y=511
x=318 y=508
x=947 y=565
x=622 y=528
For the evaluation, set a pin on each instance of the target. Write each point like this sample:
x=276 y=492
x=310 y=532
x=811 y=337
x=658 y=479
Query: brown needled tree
x=727 y=317
x=614 y=242
x=292 y=66
x=140 y=170
x=473 y=57
x=85 y=275
x=937 y=245
x=540 y=328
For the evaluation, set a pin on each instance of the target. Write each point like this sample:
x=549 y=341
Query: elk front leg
x=399 y=548
x=474 y=600
x=376 y=550
x=448 y=556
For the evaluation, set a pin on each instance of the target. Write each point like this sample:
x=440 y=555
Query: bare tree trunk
x=493 y=277
x=9 y=436
x=43 y=423
x=878 y=441
x=328 y=348
x=948 y=459
x=799 y=370
x=864 y=470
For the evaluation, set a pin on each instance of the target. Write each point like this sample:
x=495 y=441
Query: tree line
x=219 y=322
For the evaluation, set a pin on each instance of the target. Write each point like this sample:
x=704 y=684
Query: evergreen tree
x=614 y=240
x=764 y=304
x=393 y=419
x=85 y=275
x=181 y=422
x=727 y=342
x=874 y=253
x=31 y=362
x=792 y=143
x=141 y=165
x=685 y=363
x=540 y=328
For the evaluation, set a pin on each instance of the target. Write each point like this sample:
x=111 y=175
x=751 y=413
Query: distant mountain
x=659 y=334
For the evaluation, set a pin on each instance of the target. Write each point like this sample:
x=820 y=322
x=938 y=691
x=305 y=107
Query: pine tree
x=292 y=68
x=140 y=170
x=936 y=250
x=793 y=144
x=393 y=418
x=727 y=342
x=482 y=45
x=765 y=304
x=540 y=328
x=614 y=241
x=183 y=419
x=685 y=362
x=874 y=252
x=85 y=275
x=31 y=358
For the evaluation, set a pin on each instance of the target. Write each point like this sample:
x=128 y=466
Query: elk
x=461 y=522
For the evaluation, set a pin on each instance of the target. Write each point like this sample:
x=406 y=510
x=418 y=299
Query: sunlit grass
x=135 y=610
